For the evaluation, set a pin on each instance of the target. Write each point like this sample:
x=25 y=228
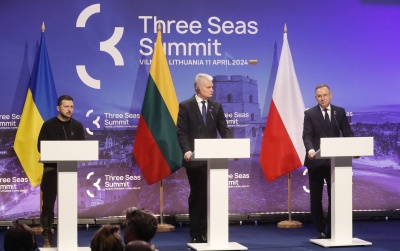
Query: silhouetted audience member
x=107 y=238
x=139 y=246
x=19 y=237
x=140 y=224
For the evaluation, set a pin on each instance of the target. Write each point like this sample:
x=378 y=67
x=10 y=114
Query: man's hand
x=311 y=154
x=188 y=155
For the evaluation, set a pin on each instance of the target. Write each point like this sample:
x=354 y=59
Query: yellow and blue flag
x=40 y=105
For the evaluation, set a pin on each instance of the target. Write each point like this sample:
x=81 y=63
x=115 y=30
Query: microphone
x=65 y=134
x=72 y=132
x=210 y=111
x=212 y=117
x=337 y=125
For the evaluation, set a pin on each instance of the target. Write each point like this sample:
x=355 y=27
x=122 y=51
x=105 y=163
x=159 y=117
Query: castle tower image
x=239 y=98
x=109 y=142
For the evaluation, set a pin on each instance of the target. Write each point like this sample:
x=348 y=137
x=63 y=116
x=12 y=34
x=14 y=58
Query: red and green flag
x=156 y=148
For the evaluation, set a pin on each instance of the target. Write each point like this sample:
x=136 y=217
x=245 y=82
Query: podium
x=341 y=152
x=217 y=152
x=66 y=154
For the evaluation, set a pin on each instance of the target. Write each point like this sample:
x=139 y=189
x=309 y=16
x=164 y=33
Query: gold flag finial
x=285 y=29
x=159 y=27
x=43 y=28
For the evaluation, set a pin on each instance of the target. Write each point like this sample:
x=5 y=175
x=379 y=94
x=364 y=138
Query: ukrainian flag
x=40 y=105
x=156 y=148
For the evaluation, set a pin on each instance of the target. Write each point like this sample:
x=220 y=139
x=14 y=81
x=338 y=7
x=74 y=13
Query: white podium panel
x=341 y=152
x=347 y=147
x=221 y=148
x=66 y=154
x=217 y=152
x=72 y=150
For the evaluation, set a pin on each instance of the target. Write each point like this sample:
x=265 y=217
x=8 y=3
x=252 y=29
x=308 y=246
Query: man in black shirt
x=61 y=127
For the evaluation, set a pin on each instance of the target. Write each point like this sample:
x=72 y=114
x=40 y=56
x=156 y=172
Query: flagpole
x=284 y=118
x=166 y=160
x=37 y=230
x=289 y=223
x=163 y=227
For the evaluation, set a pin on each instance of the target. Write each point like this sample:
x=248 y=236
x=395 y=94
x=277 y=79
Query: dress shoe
x=203 y=239
x=322 y=235
x=195 y=240
x=46 y=242
x=199 y=239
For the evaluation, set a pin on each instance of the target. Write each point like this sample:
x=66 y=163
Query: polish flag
x=282 y=149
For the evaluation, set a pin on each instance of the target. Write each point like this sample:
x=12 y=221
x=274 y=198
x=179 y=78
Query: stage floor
x=267 y=236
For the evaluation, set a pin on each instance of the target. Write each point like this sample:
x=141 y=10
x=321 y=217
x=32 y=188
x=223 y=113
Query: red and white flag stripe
x=282 y=149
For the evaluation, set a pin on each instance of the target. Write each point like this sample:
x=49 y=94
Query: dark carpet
x=383 y=234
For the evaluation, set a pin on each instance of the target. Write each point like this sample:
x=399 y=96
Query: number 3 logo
x=107 y=46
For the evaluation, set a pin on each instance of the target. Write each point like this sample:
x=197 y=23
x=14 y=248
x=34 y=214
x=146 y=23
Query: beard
x=65 y=116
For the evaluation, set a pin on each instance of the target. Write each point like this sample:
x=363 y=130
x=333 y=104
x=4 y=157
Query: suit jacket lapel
x=194 y=107
x=320 y=116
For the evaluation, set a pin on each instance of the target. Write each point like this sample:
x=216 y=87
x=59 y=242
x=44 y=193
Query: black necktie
x=327 y=121
x=203 y=111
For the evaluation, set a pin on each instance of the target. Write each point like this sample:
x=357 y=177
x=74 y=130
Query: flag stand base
x=165 y=228
x=289 y=224
x=38 y=230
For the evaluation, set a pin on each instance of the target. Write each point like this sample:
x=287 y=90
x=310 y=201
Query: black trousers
x=49 y=195
x=197 y=177
x=316 y=176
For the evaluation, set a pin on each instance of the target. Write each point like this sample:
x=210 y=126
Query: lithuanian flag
x=156 y=148
x=40 y=105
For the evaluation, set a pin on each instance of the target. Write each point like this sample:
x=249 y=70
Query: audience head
x=107 y=238
x=19 y=237
x=138 y=246
x=140 y=224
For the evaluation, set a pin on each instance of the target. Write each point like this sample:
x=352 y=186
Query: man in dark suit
x=322 y=121
x=199 y=117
